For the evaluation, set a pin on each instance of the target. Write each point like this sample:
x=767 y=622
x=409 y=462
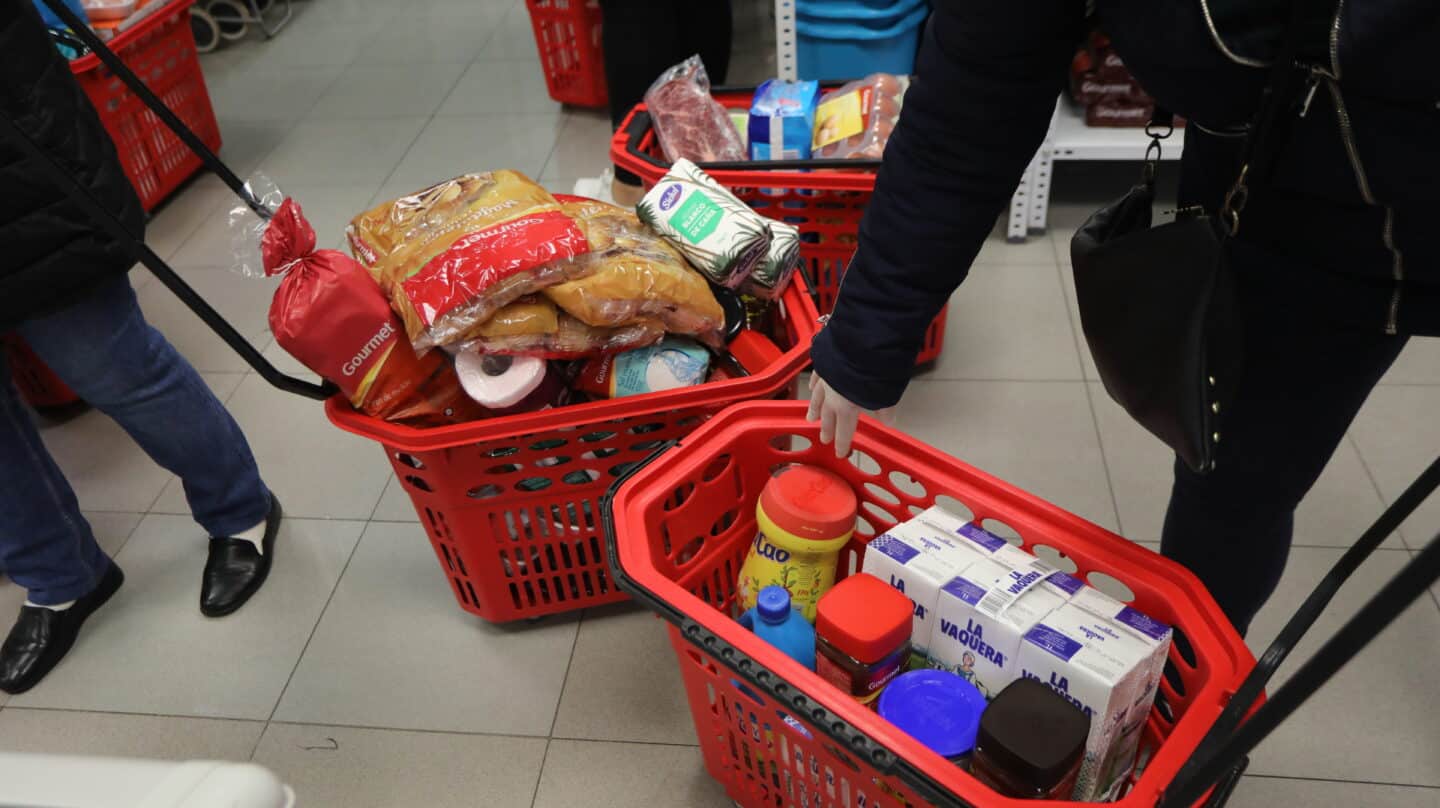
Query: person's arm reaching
x=986 y=81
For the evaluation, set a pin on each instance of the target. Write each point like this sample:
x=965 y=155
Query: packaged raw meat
x=329 y=314
x=688 y=122
x=717 y=233
x=634 y=276
x=452 y=255
x=533 y=326
x=856 y=120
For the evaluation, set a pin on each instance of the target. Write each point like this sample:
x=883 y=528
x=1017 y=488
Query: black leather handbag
x=1158 y=304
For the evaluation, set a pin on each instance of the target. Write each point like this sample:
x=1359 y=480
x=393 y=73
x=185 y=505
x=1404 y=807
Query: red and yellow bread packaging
x=329 y=313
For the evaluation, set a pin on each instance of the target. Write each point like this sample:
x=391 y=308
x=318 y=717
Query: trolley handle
x=833 y=726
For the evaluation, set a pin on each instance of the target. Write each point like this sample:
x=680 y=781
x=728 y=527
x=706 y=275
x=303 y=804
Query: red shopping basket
x=38 y=384
x=567 y=34
x=511 y=504
x=775 y=733
x=825 y=204
x=161 y=50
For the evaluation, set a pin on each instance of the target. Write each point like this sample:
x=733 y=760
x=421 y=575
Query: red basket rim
x=799 y=310
x=1211 y=634
x=123 y=39
x=828 y=180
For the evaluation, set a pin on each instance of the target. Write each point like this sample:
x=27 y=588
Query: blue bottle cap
x=773 y=604
x=936 y=708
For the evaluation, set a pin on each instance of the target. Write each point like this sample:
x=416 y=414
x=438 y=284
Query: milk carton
x=1150 y=632
x=972 y=536
x=918 y=560
x=1100 y=668
x=984 y=611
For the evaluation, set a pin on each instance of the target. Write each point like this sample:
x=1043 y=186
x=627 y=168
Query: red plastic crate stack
x=161 y=51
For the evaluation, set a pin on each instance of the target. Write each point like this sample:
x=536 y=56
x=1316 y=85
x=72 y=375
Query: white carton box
x=917 y=560
x=972 y=536
x=1154 y=634
x=984 y=611
x=1099 y=668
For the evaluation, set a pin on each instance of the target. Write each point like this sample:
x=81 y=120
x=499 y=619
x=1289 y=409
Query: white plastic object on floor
x=65 y=781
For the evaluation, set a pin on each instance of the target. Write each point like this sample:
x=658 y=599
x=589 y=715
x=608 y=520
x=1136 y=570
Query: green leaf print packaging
x=716 y=232
x=770 y=278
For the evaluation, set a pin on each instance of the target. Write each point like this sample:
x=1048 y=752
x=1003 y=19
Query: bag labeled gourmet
x=453 y=254
x=329 y=313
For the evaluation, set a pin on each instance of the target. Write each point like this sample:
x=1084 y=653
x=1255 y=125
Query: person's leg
x=1302 y=384
x=708 y=29
x=105 y=351
x=46 y=545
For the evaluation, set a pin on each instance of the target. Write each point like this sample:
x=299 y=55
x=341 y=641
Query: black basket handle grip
x=141 y=252
x=846 y=737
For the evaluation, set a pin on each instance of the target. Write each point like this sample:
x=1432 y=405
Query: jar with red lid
x=862 y=636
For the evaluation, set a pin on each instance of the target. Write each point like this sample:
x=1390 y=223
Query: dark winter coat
x=51 y=252
x=987 y=78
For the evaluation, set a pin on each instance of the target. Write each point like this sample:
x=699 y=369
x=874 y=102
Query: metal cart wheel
x=232 y=17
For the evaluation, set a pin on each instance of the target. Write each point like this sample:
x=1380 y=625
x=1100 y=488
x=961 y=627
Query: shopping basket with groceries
x=512 y=351
x=821 y=191
x=1065 y=663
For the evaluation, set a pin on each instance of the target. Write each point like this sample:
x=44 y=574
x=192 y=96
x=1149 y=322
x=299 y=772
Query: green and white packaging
x=717 y=233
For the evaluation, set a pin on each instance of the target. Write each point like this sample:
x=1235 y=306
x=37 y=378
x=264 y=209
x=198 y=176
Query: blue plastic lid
x=773 y=604
x=936 y=708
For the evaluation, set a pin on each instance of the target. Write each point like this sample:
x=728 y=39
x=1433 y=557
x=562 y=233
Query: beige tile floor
x=355 y=676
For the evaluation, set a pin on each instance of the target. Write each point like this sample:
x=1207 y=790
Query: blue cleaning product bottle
x=775 y=622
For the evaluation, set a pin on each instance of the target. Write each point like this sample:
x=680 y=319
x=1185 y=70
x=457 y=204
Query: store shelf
x=1071 y=139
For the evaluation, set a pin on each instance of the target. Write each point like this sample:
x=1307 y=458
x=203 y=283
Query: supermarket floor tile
x=1419 y=363
x=268 y=91
x=394 y=650
x=582 y=148
x=1268 y=792
x=243 y=301
x=338 y=152
x=513 y=39
x=69 y=732
x=622 y=775
x=1016 y=431
x=1398 y=437
x=150 y=650
x=395 y=504
x=1339 y=508
x=451 y=146
x=455 y=37
x=624 y=684
x=1373 y=697
x=509 y=87
x=366 y=768
x=382 y=91
x=198 y=201
x=1009 y=323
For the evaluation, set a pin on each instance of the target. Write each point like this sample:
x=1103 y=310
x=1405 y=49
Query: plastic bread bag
x=855 y=120
x=452 y=255
x=673 y=363
x=329 y=313
x=772 y=277
x=533 y=326
x=717 y=233
x=635 y=276
x=688 y=122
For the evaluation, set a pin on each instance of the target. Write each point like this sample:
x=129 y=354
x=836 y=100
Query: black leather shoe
x=41 y=637
x=235 y=569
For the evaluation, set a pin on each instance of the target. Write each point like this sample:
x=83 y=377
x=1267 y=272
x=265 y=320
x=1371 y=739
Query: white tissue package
x=983 y=612
x=1103 y=670
x=918 y=559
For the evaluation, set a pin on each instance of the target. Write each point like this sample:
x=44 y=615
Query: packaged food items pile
x=486 y=295
x=958 y=638
x=855 y=121
x=1102 y=85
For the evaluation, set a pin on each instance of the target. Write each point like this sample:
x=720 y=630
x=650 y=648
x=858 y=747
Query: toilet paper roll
x=497 y=382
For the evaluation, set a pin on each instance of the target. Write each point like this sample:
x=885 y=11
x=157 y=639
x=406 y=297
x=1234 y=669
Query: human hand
x=837 y=415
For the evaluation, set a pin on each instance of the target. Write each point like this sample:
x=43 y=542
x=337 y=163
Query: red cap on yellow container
x=809 y=502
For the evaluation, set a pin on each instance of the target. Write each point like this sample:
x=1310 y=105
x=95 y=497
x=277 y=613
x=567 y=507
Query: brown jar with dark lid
x=1030 y=744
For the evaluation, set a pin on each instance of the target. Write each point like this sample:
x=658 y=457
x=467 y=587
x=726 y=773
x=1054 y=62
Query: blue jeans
x=105 y=351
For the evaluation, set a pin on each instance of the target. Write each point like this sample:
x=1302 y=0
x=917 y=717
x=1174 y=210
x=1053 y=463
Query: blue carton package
x=782 y=120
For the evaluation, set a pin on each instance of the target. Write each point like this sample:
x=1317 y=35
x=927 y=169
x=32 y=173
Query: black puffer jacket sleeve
x=986 y=82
